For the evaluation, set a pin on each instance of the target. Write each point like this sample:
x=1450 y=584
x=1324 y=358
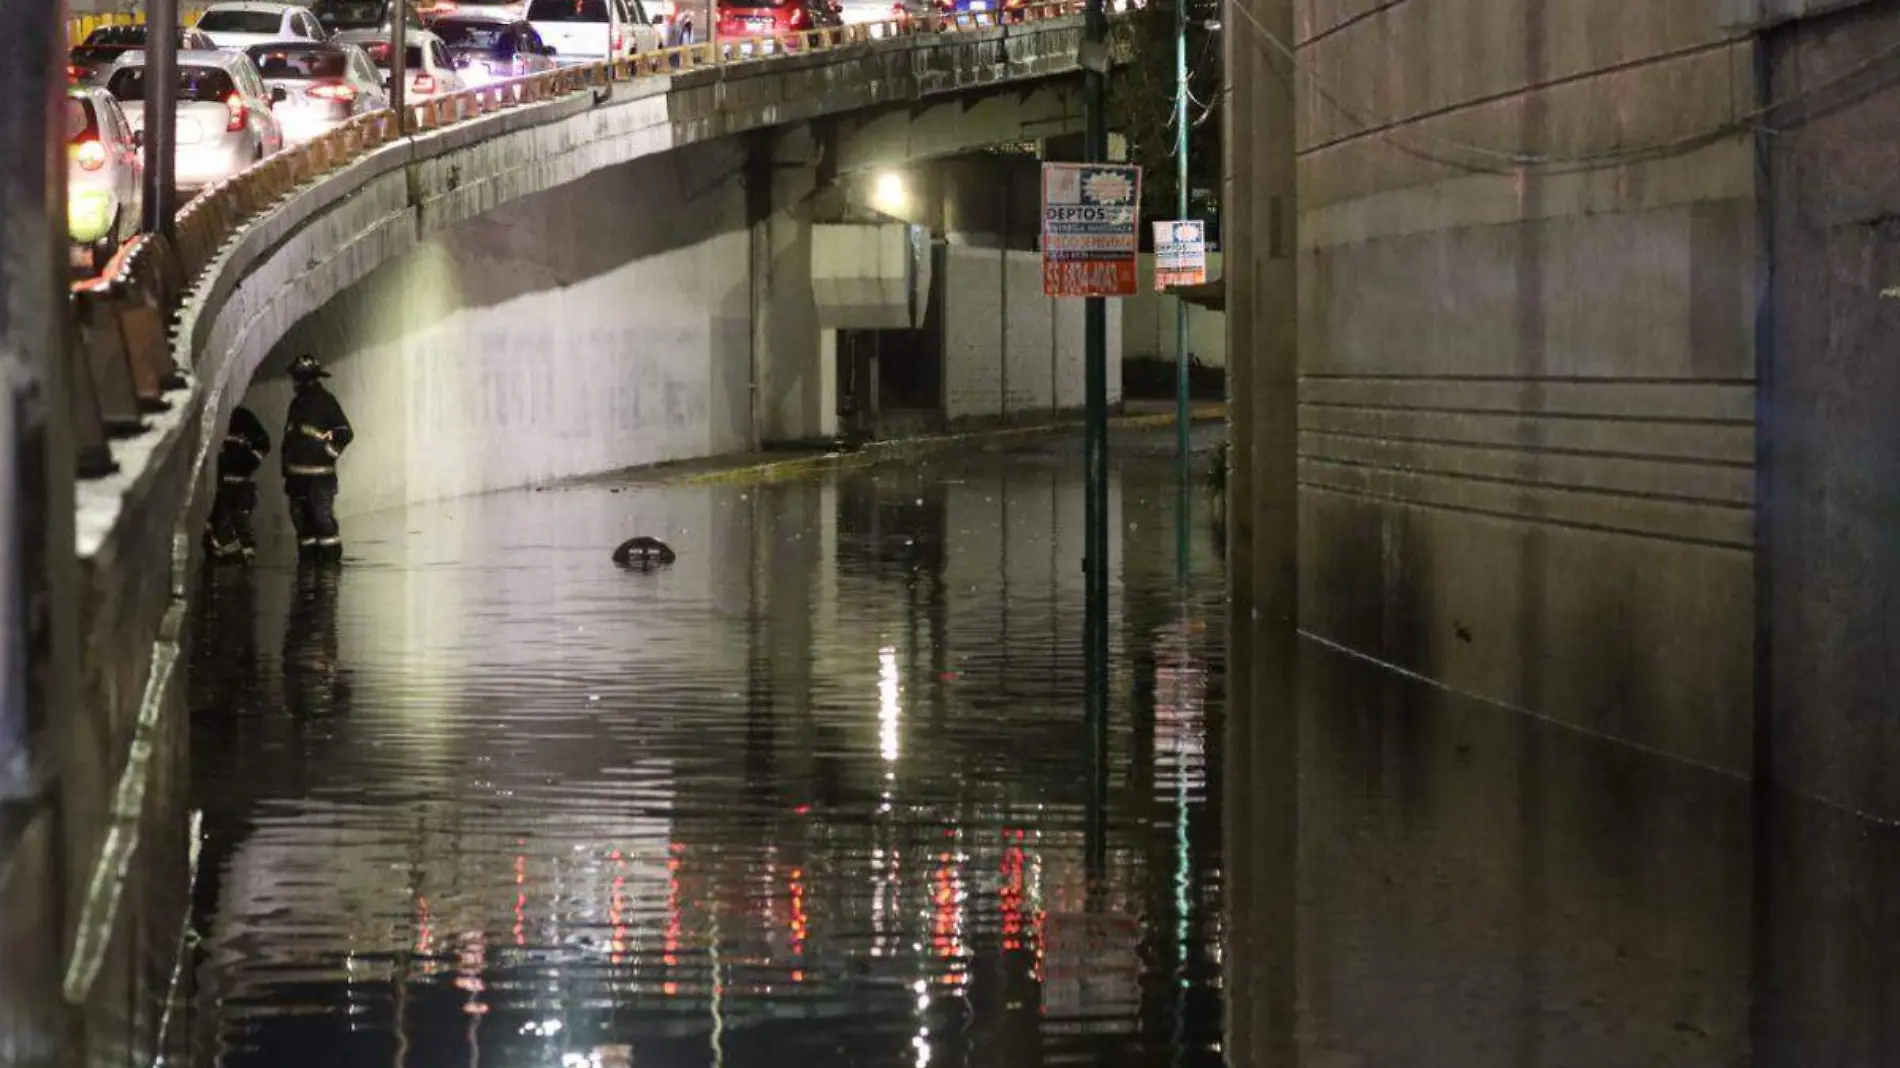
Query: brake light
x=799 y=18
x=424 y=83
x=75 y=73
x=239 y=114
x=378 y=52
x=615 y=42
x=338 y=91
x=91 y=155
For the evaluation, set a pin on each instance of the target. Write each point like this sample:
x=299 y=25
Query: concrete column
x=39 y=717
x=794 y=362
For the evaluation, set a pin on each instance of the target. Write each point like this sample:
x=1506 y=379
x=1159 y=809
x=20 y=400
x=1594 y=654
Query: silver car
x=224 y=120
x=325 y=85
x=492 y=50
x=428 y=66
x=359 y=22
x=243 y=23
x=103 y=177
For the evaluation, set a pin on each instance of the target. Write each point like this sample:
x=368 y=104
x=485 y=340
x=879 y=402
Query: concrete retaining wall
x=1009 y=351
x=1525 y=395
x=1148 y=321
x=546 y=339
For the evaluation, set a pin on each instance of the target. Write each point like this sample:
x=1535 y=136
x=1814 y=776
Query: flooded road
x=812 y=796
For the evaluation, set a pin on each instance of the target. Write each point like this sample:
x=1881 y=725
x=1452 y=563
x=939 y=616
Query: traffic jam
x=257 y=76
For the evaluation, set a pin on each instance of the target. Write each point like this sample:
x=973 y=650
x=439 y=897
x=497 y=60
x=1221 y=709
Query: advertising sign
x=1090 y=218
x=1180 y=254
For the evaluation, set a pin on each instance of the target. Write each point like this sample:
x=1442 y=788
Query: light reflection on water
x=811 y=796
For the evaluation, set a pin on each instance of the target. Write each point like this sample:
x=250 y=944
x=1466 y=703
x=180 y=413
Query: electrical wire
x=1515 y=161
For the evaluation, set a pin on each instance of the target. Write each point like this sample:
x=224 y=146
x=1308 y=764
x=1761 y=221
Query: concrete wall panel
x=1043 y=360
x=544 y=340
x=1526 y=355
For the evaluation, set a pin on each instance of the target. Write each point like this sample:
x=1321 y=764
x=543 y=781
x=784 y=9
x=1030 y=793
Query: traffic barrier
x=125 y=313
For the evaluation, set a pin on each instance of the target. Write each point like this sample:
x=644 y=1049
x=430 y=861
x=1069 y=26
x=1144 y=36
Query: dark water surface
x=813 y=795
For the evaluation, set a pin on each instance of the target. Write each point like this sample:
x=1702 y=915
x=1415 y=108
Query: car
x=490 y=49
x=224 y=120
x=427 y=66
x=325 y=85
x=361 y=22
x=248 y=22
x=589 y=31
x=754 y=18
x=91 y=61
x=513 y=9
x=104 y=176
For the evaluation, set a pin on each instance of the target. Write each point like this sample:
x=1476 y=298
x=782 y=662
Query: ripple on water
x=810 y=796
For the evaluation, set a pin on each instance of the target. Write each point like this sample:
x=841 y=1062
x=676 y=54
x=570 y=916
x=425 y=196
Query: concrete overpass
x=569 y=273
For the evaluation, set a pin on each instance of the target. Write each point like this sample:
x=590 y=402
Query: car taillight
x=378 y=52
x=338 y=91
x=75 y=73
x=91 y=155
x=239 y=114
x=799 y=18
x=424 y=83
x=615 y=42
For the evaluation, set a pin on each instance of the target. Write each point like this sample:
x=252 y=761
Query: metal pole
x=161 y=116
x=1182 y=507
x=399 y=65
x=1095 y=463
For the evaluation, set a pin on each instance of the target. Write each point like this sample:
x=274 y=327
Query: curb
x=911 y=448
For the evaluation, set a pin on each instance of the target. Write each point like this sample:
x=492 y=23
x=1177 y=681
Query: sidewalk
x=770 y=466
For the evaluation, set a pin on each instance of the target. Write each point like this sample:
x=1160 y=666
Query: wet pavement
x=814 y=795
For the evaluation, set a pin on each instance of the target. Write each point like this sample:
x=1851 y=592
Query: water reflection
x=810 y=796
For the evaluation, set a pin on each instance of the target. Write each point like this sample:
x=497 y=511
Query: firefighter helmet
x=305 y=368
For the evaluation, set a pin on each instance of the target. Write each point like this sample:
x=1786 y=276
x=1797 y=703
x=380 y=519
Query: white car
x=325 y=85
x=249 y=22
x=589 y=31
x=427 y=66
x=224 y=120
x=103 y=172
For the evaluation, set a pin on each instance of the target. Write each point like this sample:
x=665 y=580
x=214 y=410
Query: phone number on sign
x=1088 y=278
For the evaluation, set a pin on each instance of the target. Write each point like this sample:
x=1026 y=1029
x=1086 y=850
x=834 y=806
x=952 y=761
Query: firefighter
x=229 y=534
x=315 y=434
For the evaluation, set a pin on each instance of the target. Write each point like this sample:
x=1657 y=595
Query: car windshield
x=229 y=21
x=568 y=11
x=79 y=122
x=295 y=63
x=495 y=37
x=195 y=85
x=336 y=15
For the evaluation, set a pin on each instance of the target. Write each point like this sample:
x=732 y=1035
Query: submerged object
x=643 y=552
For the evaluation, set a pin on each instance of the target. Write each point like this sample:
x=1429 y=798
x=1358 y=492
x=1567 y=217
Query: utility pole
x=1183 y=509
x=161 y=116
x=1095 y=457
x=399 y=64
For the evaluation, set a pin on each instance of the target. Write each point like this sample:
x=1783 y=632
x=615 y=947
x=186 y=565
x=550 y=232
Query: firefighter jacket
x=315 y=433
x=246 y=444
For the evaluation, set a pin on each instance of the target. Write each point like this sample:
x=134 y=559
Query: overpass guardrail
x=124 y=359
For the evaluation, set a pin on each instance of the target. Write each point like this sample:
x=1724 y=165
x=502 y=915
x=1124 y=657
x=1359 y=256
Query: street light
x=889 y=195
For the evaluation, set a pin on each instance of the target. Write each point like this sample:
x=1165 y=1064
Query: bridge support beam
x=795 y=365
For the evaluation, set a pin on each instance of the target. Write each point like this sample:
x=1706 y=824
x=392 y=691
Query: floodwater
x=814 y=795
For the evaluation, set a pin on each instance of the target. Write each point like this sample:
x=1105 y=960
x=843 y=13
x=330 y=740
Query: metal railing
x=125 y=316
